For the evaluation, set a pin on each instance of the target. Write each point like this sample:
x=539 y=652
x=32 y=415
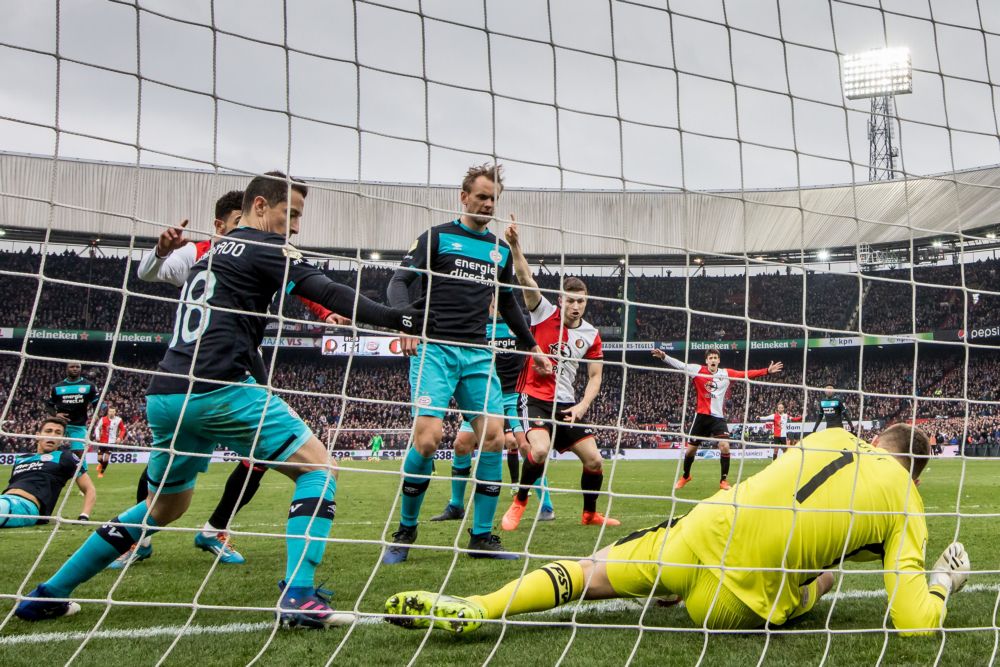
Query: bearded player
x=553 y=413
x=711 y=384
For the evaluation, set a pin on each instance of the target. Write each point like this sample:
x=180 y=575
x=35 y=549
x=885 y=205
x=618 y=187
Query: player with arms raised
x=205 y=394
x=711 y=384
x=756 y=554
x=468 y=266
x=563 y=333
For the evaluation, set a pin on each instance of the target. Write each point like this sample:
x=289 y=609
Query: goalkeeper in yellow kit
x=754 y=554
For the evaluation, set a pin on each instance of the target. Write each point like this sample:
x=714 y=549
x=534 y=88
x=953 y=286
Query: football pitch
x=844 y=629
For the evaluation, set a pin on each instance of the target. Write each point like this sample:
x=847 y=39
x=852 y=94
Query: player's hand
x=574 y=413
x=513 y=239
x=659 y=354
x=62 y=415
x=952 y=569
x=338 y=320
x=171 y=239
x=408 y=345
x=541 y=363
x=774 y=367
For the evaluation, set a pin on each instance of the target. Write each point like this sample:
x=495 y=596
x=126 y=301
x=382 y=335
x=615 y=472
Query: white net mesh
x=677 y=156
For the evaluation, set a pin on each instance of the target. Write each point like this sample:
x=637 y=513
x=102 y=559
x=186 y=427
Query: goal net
x=726 y=187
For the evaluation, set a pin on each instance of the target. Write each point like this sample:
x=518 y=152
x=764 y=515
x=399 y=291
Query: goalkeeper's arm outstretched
x=767 y=563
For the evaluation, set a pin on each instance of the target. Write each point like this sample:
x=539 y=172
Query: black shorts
x=708 y=426
x=539 y=415
x=104 y=449
x=779 y=440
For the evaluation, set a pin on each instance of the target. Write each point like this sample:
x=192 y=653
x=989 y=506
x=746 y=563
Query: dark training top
x=73 y=398
x=508 y=363
x=466 y=267
x=44 y=476
x=833 y=411
x=243 y=272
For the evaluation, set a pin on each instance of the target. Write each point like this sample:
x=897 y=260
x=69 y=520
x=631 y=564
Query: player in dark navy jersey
x=206 y=394
x=468 y=266
x=36 y=480
x=832 y=410
x=71 y=399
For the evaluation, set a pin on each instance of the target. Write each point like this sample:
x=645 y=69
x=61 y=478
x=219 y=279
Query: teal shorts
x=512 y=413
x=440 y=372
x=77 y=438
x=17 y=512
x=229 y=416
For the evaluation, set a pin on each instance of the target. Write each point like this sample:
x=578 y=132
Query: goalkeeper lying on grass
x=768 y=541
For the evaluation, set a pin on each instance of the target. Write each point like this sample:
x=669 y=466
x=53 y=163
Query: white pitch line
x=245 y=628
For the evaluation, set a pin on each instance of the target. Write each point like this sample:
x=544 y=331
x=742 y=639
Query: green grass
x=177 y=571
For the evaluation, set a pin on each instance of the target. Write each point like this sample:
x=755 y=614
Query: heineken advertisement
x=775 y=343
x=155 y=338
x=388 y=345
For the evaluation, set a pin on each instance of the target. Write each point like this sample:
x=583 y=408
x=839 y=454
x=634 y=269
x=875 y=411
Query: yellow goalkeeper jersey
x=834 y=498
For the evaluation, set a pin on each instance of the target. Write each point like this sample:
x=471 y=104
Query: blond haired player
x=760 y=552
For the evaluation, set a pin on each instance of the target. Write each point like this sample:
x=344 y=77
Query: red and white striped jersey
x=779 y=424
x=711 y=388
x=110 y=430
x=566 y=347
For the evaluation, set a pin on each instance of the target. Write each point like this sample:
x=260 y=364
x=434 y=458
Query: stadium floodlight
x=937 y=244
x=880 y=75
x=877 y=73
x=823 y=255
x=376 y=256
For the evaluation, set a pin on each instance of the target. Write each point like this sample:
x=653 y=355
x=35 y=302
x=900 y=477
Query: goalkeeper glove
x=951 y=570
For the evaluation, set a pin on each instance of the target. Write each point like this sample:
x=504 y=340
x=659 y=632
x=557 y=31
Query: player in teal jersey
x=71 y=399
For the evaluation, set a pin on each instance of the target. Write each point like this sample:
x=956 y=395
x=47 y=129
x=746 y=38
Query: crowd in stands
x=665 y=307
x=893 y=386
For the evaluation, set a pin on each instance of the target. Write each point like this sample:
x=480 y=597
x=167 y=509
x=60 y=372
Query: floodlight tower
x=880 y=75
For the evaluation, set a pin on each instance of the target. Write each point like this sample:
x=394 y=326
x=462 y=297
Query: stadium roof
x=97 y=199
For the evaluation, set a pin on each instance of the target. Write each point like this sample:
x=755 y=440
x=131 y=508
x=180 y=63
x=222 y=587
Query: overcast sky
x=634 y=101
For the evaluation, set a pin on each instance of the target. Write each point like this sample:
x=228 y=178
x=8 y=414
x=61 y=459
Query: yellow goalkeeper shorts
x=658 y=561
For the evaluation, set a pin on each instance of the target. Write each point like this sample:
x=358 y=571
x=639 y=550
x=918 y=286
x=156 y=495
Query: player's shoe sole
x=415 y=610
x=44 y=610
x=681 y=483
